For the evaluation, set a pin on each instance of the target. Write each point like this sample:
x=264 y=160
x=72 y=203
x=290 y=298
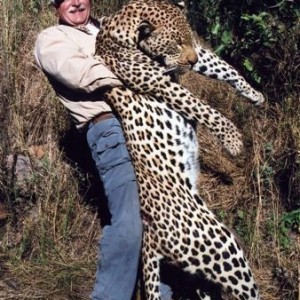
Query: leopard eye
x=176 y=38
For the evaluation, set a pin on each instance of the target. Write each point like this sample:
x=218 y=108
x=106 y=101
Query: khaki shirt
x=65 y=55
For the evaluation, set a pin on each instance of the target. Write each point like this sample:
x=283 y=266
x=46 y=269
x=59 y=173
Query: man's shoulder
x=58 y=29
x=61 y=32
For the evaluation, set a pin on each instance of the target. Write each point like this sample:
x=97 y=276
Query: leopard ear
x=180 y=4
x=144 y=30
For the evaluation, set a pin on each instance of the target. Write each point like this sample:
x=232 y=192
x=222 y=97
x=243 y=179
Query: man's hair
x=55 y=2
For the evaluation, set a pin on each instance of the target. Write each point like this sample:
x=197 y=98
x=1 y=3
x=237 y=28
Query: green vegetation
x=48 y=222
x=261 y=38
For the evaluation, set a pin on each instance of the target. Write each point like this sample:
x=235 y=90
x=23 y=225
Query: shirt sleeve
x=61 y=57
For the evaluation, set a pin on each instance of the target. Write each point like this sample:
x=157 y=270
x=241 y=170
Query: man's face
x=74 y=12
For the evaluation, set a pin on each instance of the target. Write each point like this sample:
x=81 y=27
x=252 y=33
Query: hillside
x=51 y=203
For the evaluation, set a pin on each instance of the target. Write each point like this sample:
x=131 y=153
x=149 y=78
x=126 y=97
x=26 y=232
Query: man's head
x=73 y=12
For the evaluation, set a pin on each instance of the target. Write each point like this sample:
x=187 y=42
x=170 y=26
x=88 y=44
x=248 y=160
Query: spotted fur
x=211 y=65
x=158 y=118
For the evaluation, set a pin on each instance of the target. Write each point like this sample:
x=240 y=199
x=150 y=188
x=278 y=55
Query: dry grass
x=48 y=232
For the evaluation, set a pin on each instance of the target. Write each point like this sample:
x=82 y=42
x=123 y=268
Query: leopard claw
x=260 y=100
x=257 y=98
x=234 y=147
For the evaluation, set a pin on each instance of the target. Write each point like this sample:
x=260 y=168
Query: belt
x=101 y=117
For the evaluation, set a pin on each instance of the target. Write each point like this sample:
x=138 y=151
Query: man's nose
x=76 y=2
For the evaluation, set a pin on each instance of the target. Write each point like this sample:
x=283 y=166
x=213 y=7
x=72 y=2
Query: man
x=65 y=54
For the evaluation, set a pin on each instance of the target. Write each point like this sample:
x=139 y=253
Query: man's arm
x=60 y=57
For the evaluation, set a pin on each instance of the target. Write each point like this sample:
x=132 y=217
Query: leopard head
x=170 y=45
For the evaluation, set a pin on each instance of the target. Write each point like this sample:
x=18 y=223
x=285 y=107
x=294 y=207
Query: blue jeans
x=120 y=244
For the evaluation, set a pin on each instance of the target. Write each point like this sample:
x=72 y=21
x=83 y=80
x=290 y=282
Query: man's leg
x=120 y=243
x=165 y=291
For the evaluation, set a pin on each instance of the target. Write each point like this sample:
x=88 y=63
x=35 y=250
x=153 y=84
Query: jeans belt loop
x=101 y=117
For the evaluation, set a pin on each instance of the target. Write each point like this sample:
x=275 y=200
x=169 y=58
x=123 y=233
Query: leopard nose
x=189 y=56
x=193 y=57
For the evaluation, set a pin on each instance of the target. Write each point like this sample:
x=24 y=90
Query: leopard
x=159 y=120
x=208 y=63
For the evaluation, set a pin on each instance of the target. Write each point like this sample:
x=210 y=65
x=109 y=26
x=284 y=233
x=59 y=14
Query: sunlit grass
x=48 y=235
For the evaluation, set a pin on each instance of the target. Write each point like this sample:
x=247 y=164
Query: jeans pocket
x=111 y=151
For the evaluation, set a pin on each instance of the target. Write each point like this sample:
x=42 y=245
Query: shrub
x=261 y=38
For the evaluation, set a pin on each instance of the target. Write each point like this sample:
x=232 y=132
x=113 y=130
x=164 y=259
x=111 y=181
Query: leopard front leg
x=183 y=102
x=213 y=66
x=221 y=127
x=151 y=81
